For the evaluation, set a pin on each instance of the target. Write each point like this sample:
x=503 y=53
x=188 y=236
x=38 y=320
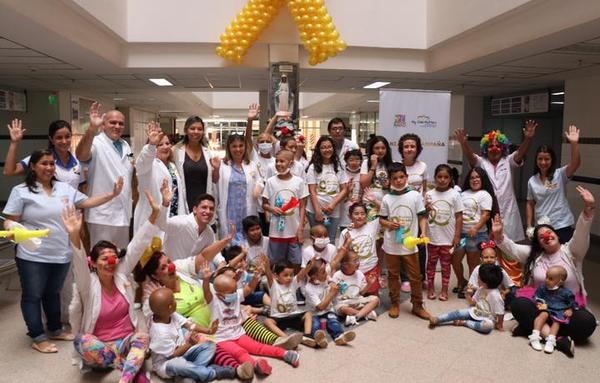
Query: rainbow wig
x=497 y=136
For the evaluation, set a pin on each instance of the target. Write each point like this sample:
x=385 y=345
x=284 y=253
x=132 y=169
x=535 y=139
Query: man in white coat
x=108 y=157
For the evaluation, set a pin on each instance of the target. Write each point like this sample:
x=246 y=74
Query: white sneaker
x=350 y=320
x=550 y=344
x=372 y=315
x=534 y=341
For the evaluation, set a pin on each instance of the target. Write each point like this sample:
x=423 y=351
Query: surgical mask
x=553 y=288
x=265 y=147
x=230 y=298
x=321 y=242
x=397 y=189
x=286 y=171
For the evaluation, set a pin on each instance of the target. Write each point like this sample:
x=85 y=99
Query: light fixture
x=373 y=101
x=118 y=99
x=557 y=102
x=160 y=81
x=304 y=116
x=557 y=93
x=376 y=85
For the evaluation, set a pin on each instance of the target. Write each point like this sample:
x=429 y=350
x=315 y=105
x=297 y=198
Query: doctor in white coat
x=108 y=157
x=239 y=187
x=153 y=166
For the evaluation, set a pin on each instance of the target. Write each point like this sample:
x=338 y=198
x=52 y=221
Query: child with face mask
x=321 y=247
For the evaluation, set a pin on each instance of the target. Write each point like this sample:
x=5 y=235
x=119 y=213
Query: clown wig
x=495 y=135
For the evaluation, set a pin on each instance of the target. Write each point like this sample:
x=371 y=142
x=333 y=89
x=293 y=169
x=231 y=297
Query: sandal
x=44 y=347
x=443 y=297
x=431 y=294
x=65 y=335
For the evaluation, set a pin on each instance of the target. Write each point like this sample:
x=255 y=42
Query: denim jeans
x=333 y=325
x=332 y=226
x=194 y=363
x=40 y=288
x=483 y=326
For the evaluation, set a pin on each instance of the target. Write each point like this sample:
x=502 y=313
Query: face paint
x=171 y=268
x=546 y=236
x=112 y=260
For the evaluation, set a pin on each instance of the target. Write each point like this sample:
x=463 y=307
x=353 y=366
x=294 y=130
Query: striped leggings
x=443 y=254
x=254 y=330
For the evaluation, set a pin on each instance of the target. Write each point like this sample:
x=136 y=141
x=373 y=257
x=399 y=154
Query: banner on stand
x=425 y=113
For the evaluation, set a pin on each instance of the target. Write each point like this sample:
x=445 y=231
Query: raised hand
x=373 y=161
x=118 y=187
x=153 y=204
x=369 y=195
x=16 y=131
x=166 y=193
x=206 y=272
x=572 y=134
x=215 y=162
x=529 y=130
x=71 y=219
x=154 y=133
x=497 y=227
x=231 y=233
x=253 y=111
x=460 y=136
x=586 y=196
x=96 y=119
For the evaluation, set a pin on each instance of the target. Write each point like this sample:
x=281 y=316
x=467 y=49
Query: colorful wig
x=495 y=135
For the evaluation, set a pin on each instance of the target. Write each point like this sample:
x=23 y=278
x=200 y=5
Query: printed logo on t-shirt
x=352 y=291
x=470 y=209
x=402 y=214
x=286 y=195
x=328 y=184
x=362 y=245
x=550 y=185
x=287 y=301
x=380 y=179
x=441 y=213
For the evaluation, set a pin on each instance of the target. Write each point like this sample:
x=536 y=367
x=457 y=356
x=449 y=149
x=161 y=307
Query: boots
x=394 y=310
x=420 y=311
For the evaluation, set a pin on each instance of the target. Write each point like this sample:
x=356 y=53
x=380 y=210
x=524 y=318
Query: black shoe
x=566 y=346
x=517 y=331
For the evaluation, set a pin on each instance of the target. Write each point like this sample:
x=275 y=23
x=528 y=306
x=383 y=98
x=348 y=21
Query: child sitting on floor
x=321 y=247
x=175 y=353
x=555 y=304
x=255 y=243
x=488 y=307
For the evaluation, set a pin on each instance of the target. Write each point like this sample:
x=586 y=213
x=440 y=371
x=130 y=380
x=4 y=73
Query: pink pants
x=242 y=347
x=443 y=254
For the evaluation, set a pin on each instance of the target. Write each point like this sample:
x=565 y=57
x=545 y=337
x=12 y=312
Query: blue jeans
x=331 y=227
x=334 y=327
x=472 y=243
x=483 y=326
x=280 y=252
x=40 y=288
x=194 y=363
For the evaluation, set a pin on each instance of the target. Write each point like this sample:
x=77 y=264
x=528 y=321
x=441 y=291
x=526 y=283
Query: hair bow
x=484 y=245
x=155 y=245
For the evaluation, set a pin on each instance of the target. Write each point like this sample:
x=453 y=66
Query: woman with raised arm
x=546 y=251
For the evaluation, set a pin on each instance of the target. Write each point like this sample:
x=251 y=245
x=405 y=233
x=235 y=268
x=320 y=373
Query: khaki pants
x=410 y=263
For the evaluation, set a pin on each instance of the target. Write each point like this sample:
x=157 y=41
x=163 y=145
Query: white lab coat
x=105 y=167
x=182 y=239
x=253 y=180
x=179 y=158
x=150 y=173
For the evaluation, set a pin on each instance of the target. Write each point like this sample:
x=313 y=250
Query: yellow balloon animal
x=19 y=235
x=411 y=242
x=317 y=31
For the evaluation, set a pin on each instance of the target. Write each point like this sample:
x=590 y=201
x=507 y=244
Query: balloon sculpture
x=317 y=31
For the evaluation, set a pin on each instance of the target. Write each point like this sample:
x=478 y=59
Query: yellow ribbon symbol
x=317 y=31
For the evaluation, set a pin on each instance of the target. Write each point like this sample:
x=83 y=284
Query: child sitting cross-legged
x=487 y=312
x=176 y=352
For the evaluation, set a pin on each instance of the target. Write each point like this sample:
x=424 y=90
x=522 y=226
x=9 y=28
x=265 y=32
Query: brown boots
x=394 y=310
x=417 y=310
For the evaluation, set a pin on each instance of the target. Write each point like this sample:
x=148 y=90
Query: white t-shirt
x=353 y=180
x=417 y=173
x=474 y=279
x=283 y=299
x=442 y=220
x=314 y=295
x=229 y=316
x=356 y=282
x=488 y=304
x=363 y=244
x=285 y=190
x=329 y=184
x=551 y=199
x=164 y=339
x=403 y=208
x=475 y=203
x=254 y=252
x=378 y=181
x=297 y=169
x=327 y=254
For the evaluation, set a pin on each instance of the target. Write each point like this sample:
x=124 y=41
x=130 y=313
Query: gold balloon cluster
x=317 y=31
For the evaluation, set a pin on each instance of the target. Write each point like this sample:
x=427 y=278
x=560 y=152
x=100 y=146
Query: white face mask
x=321 y=242
x=397 y=189
x=265 y=147
x=286 y=171
x=553 y=288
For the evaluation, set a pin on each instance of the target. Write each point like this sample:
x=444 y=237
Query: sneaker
x=550 y=344
x=405 y=287
x=262 y=367
x=292 y=358
x=321 y=338
x=245 y=371
x=345 y=338
x=372 y=315
x=566 y=345
x=350 y=320
x=289 y=342
x=309 y=342
x=224 y=372
x=534 y=341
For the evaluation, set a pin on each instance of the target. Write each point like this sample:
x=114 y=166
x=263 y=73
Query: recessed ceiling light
x=376 y=84
x=557 y=93
x=304 y=116
x=373 y=101
x=557 y=102
x=161 y=81
x=118 y=99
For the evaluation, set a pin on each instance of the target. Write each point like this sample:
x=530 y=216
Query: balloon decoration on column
x=317 y=31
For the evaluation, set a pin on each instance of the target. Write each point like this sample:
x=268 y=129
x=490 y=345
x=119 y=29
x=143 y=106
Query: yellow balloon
x=341 y=45
x=326 y=19
x=313 y=61
x=230 y=55
x=304 y=36
x=219 y=50
x=305 y=18
x=315 y=41
x=318 y=27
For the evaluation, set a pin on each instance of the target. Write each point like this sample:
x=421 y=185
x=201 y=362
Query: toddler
x=236 y=258
x=321 y=247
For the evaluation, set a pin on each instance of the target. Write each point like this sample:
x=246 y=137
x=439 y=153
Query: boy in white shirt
x=175 y=353
x=286 y=230
x=255 y=243
x=321 y=247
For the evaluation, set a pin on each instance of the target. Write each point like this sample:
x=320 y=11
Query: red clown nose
x=171 y=268
x=112 y=260
x=546 y=236
x=494 y=149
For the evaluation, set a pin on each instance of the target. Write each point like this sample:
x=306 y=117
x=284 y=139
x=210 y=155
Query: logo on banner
x=424 y=121
x=400 y=121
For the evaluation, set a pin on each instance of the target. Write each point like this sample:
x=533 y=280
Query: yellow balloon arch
x=317 y=31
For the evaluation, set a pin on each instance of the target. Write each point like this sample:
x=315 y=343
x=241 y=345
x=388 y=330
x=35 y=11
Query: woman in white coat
x=153 y=166
x=239 y=187
x=195 y=164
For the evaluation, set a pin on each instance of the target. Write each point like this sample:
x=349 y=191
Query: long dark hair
x=317 y=158
x=189 y=122
x=140 y=273
x=30 y=177
x=54 y=127
x=536 y=249
x=230 y=140
x=486 y=185
x=549 y=150
x=387 y=159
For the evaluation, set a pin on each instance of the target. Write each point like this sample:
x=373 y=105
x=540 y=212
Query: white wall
x=581 y=108
x=112 y=13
